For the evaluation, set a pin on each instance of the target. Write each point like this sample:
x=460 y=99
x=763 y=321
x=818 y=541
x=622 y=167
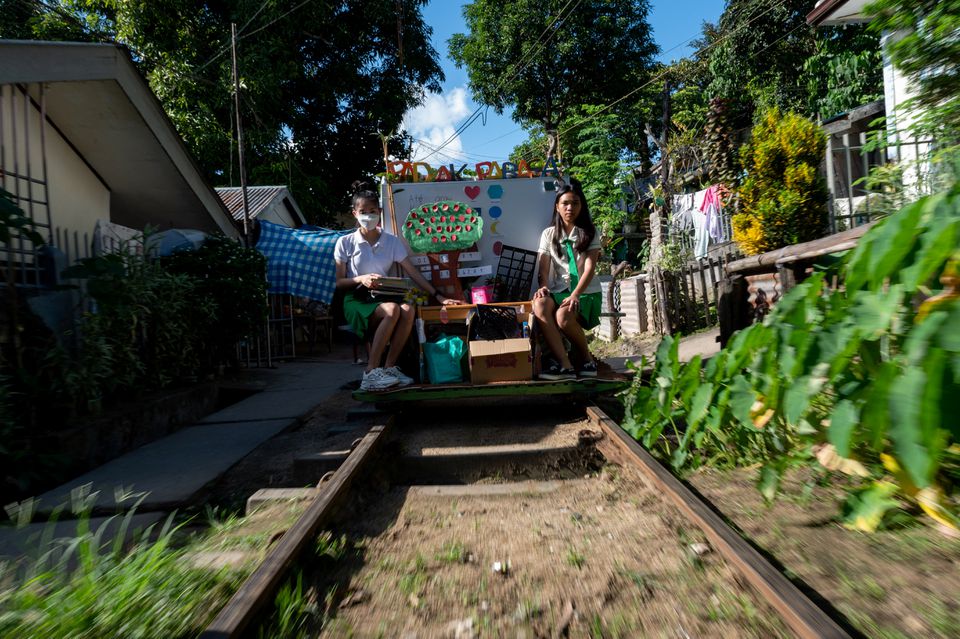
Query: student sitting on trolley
x=362 y=258
x=567 y=301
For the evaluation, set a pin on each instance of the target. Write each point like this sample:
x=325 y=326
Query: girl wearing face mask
x=568 y=299
x=362 y=258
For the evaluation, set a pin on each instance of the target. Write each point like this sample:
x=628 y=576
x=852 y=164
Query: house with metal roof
x=83 y=140
x=271 y=203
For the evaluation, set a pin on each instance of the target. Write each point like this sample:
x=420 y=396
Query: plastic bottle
x=525 y=328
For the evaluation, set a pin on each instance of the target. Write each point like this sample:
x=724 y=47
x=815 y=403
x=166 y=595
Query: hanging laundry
x=713 y=209
x=701 y=239
x=683 y=208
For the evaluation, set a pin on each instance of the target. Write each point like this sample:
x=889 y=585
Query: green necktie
x=574 y=273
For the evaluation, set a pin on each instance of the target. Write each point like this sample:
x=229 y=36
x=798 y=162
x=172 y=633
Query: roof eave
x=47 y=62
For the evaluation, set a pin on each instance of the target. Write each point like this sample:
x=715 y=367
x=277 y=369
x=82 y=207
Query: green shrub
x=233 y=279
x=863 y=379
x=146 y=332
x=158 y=322
x=783 y=199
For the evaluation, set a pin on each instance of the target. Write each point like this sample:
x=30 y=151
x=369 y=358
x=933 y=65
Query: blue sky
x=674 y=23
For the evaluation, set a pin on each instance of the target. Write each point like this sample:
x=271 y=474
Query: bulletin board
x=514 y=213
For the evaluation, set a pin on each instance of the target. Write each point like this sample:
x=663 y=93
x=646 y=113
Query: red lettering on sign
x=505 y=360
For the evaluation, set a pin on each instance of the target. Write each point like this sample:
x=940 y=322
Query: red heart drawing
x=472 y=191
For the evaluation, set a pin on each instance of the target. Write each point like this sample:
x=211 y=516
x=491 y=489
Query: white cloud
x=434 y=122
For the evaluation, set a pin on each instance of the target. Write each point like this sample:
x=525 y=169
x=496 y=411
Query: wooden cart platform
x=588 y=386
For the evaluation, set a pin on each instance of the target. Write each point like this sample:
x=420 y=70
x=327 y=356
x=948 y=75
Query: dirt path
x=599 y=556
x=891 y=584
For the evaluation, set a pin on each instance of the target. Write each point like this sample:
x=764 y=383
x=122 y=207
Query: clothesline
x=702 y=213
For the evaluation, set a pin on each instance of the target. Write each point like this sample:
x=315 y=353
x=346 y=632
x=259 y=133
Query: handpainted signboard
x=514 y=213
x=406 y=171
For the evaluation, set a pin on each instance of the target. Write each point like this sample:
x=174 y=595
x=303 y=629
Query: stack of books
x=391 y=288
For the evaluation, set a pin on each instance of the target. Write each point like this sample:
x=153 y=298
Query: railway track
x=553 y=510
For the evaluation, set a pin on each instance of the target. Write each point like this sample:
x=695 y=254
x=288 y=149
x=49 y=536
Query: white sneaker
x=377 y=379
x=404 y=380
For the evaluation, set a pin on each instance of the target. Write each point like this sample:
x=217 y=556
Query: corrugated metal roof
x=259 y=198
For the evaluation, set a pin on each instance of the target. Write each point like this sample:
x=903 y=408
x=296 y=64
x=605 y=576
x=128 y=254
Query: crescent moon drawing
x=493 y=229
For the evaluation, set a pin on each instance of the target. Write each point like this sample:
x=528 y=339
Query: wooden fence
x=686 y=300
x=665 y=302
x=752 y=284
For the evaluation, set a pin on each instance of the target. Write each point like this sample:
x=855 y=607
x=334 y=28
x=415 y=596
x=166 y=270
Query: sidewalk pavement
x=174 y=468
x=171 y=470
x=704 y=344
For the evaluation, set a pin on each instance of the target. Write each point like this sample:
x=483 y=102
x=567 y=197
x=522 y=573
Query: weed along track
x=530 y=520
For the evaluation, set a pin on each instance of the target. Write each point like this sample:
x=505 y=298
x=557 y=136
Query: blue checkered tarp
x=300 y=261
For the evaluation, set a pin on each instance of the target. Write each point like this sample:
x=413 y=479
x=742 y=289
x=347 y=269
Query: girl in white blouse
x=568 y=299
x=362 y=258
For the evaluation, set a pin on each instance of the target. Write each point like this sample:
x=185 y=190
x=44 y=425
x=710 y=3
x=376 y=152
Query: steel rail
x=259 y=589
x=800 y=613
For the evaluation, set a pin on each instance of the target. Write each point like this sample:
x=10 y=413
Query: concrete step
x=504 y=463
x=273 y=495
x=346 y=427
x=492 y=490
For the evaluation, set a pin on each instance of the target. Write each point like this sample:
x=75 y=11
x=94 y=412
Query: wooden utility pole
x=243 y=168
x=384 y=140
x=657 y=290
x=664 y=156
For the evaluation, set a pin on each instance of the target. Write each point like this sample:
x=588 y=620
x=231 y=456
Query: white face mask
x=369 y=221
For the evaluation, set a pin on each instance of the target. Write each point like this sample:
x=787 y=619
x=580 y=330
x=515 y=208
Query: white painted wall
x=77 y=198
x=514 y=213
x=897 y=89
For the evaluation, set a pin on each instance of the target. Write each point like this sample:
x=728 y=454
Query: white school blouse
x=363 y=258
x=558 y=279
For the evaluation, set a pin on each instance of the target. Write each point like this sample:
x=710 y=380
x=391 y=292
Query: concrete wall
x=77 y=198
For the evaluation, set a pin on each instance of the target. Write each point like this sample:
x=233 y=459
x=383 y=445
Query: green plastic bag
x=443 y=359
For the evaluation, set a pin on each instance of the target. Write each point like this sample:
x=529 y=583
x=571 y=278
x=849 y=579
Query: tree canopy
x=767 y=55
x=928 y=50
x=318 y=82
x=546 y=61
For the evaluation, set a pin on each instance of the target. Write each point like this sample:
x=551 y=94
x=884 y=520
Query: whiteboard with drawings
x=514 y=213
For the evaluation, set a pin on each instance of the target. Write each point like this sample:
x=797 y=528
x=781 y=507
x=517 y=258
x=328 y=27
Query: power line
x=226 y=47
x=500 y=137
x=504 y=80
x=656 y=77
x=478 y=156
x=667 y=70
x=278 y=19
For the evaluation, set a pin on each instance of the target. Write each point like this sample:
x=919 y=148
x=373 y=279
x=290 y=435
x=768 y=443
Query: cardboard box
x=503 y=360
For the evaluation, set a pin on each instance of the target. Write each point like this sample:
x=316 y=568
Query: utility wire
x=473 y=117
x=226 y=47
x=667 y=70
x=464 y=154
x=277 y=19
x=657 y=77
